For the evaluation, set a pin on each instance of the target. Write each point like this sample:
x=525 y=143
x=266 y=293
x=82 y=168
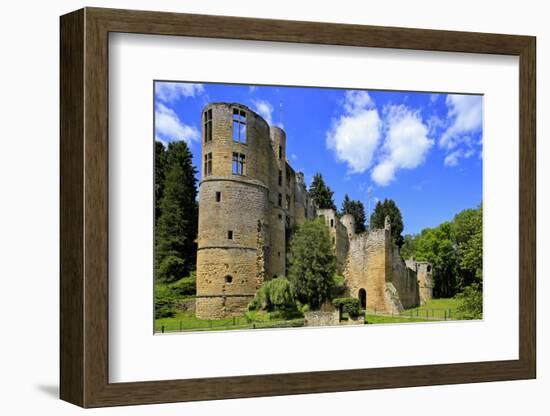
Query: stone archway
x=363 y=298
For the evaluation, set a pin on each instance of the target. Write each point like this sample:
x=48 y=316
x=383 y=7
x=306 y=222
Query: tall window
x=239 y=125
x=280 y=152
x=207 y=125
x=207 y=164
x=280 y=177
x=280 y=201
x=238 y=164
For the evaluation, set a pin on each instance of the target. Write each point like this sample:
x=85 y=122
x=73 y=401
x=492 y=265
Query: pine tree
x=321 y=193
x=175 y=254
x=378 y=217
x=160 y=162
x=357 y=209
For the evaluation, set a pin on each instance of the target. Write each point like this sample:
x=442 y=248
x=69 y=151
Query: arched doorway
x=363 y=298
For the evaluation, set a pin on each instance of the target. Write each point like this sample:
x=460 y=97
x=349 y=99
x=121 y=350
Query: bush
x=275 y=294
x=164 y=302
x=171 y=269
x=471 y=302
x=351 y=306
x=186 y=286
x=339 y=286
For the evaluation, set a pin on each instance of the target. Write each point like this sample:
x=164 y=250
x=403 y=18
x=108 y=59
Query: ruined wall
x=424 y=272
x=404 y=280
x=367 y=266
x=322 y=318
x=375 y=265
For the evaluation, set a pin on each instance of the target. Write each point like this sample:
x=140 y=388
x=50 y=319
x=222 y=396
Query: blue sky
x=424 y=150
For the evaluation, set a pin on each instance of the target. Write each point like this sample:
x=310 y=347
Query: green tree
x=455 y=248
x=313 y=263
x=160 y=162
x=357 y=209
x=175 y=254
x=378 y=217
x=321 y=193
x=408 y=248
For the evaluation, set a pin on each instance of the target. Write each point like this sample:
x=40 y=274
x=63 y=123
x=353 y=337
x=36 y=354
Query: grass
x=436 y=308
x=187 y=321
x=383 y=319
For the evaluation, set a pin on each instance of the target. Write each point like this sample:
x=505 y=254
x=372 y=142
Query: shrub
x=471 y=302
x=186 y=286
x=351 y=306
x=164 y=302
x=339 y=286
x=275 y=294
x=171 y=268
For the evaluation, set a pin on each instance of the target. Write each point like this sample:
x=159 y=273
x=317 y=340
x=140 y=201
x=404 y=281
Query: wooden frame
x=84 y=207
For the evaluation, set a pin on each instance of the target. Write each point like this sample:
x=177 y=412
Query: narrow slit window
x=208 y=125
x=280 y=177
x=238 y=164
x=218 y=196
x=280 y=152
x=332 y=222
x=208 y=164
x=230 y=234
x=239 y=125
x=280 y=201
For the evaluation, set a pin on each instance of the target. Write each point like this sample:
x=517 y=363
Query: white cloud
x=405 y=146
x=265 y=109
x=252 y=88
x=434 y=97
x=293 y=156
x=169 y=127
x=355 y=135
x=453 y=158
x=357 y=101
x=173 y=91
x=466 y=115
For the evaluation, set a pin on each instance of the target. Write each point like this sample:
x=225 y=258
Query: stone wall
x=322 y=318
x=339 y=236
x=404 y=280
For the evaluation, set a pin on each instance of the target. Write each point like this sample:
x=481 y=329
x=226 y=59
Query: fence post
x=445 y=312
x=162 y=329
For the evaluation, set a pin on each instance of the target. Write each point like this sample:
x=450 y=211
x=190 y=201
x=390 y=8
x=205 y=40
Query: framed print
x=293 y=207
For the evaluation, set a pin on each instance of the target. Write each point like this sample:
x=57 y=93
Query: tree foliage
x=160 y=163
x=357 y=209
x=455 y=248
x=274 y=295
x=378 y=218
x=313 y=263
x=176 y=231
x=321 y=194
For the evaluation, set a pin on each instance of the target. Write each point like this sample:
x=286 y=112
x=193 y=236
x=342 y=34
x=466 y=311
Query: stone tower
x=424 y=271
x=233 y=209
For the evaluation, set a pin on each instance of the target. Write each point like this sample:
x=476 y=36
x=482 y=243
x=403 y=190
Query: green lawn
x=187 y=321
x=436 y=308
x=383 y=319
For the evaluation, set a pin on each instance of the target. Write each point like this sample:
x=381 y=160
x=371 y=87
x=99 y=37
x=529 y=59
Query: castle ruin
x=250 y=202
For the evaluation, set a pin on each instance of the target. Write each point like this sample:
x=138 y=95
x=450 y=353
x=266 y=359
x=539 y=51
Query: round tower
x=348 y=221
x=279 y=196
x=233 y=209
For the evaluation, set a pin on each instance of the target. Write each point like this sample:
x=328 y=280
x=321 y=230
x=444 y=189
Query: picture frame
x=84 y=216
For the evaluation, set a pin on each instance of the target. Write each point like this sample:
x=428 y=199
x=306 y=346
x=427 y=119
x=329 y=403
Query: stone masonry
x=250 y=202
